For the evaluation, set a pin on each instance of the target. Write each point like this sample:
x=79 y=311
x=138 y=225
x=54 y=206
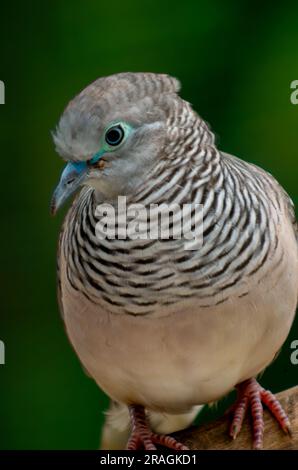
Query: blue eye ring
x=114 y=135
x=110 y=142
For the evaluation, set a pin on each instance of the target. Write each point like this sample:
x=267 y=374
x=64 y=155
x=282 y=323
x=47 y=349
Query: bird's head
x=113 y=132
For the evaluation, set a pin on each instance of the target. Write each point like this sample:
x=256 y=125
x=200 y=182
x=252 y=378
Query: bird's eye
x=114 y=135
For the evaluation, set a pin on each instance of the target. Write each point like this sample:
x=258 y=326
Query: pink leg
x=143 y=437
x=276 y=409
x=252 y=395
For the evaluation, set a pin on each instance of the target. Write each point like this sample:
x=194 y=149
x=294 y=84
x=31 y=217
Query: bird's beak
x=72 y=177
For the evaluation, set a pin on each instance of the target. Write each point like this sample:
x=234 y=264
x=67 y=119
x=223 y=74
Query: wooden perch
x=215 y=435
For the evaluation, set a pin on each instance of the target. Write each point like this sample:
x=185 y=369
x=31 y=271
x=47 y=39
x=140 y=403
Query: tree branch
x=215 y=435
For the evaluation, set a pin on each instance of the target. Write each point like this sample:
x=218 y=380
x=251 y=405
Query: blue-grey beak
x=72 y=177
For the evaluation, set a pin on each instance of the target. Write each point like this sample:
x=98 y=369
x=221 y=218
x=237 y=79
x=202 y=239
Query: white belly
x=189 y=357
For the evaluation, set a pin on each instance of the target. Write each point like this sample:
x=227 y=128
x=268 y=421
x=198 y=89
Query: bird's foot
x=251 y=396
x=143 y=438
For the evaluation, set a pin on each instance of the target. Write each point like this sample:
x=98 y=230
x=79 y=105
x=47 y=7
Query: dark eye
x=114 y=135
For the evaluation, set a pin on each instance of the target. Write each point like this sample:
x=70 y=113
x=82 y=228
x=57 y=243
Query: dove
x=162 y=329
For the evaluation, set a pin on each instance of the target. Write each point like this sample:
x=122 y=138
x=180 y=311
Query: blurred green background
x=236 y=60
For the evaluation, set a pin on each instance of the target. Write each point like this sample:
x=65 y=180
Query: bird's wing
x=288 y=203
x=291 y=211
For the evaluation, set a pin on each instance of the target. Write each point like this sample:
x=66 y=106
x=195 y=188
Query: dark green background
x=236 y=61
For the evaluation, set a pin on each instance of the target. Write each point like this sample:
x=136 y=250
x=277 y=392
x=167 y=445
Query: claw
x=143 y=437
x=252 y=395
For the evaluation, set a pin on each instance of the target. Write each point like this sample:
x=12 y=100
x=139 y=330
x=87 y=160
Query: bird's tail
x=116 y=429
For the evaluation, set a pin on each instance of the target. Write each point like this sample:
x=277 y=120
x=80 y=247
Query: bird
x=164 y=330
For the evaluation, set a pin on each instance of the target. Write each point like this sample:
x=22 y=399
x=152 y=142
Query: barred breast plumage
x=155 y=324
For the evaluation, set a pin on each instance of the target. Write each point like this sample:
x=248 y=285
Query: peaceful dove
x=163 y=327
